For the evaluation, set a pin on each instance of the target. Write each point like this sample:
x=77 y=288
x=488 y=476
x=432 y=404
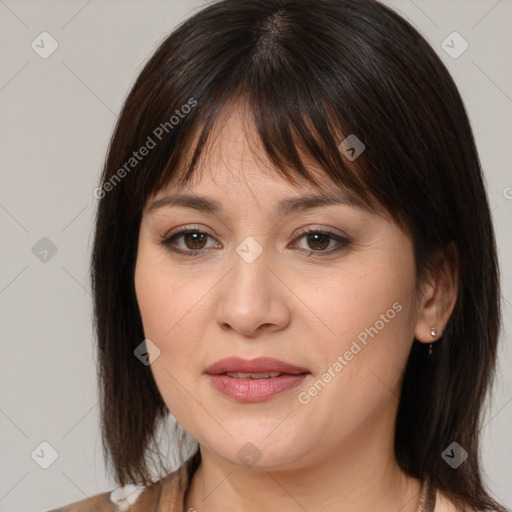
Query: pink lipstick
x=254 y=380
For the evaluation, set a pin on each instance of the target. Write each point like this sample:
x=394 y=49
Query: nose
x=253 y=299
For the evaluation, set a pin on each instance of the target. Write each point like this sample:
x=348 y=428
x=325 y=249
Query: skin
x=335 y=452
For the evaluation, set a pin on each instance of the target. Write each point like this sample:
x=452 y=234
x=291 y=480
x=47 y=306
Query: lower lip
x=255 y=390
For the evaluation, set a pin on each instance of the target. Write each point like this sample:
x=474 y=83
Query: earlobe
x=438 y=299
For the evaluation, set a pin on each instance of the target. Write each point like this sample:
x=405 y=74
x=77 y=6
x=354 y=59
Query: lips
x=254 y=380
x=265 y=375
x=253 y=366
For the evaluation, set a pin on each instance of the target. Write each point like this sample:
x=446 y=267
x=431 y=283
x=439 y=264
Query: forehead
x=218 y=187
x=234 y=159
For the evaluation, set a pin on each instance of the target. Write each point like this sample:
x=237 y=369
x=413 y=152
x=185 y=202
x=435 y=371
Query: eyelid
x=190 y=227
x=342 y=240
x=301 y=231
x=320 y=229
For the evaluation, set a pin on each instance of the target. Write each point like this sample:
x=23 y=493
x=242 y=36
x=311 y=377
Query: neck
x=359 y=475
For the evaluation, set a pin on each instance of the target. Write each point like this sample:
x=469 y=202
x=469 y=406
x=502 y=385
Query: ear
x=438 y=296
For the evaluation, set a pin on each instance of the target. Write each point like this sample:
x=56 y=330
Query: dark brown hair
x=309 y=71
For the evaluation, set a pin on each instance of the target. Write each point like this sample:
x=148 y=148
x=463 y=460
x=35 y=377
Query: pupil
x=323 y=238
x=194 y=237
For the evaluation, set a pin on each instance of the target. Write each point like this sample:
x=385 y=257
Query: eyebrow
x=284 y=206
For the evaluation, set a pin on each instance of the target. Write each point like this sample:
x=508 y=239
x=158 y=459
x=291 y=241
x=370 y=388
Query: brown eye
x=319 y=242
x=193 y=242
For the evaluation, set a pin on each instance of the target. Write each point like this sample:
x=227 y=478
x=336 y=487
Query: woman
x=294 y=256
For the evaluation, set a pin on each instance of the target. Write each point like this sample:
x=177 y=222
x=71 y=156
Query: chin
x=262 y=452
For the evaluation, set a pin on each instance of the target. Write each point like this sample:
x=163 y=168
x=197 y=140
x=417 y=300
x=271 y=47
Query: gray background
x=57 y=115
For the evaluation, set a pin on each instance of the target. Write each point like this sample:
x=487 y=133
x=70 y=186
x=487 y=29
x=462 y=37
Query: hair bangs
x=302 y=144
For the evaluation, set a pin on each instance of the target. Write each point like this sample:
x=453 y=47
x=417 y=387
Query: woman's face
x=341 y=309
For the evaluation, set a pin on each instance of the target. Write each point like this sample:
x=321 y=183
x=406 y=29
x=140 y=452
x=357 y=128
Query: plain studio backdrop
x=66 y=69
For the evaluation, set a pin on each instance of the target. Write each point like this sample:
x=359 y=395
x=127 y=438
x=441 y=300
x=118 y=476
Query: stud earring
x=433 y=333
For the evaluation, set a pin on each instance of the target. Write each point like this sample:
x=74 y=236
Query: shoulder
x=165 y=494
x=130 y=497
x=92 y=504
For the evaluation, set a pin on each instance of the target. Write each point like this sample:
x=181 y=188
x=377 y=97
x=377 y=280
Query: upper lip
x=258 y=365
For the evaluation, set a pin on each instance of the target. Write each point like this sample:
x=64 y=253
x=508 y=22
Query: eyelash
x=343 y=242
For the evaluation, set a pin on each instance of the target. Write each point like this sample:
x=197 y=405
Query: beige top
x=168 y=495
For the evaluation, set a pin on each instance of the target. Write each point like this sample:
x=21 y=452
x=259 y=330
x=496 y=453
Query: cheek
x=372 y=314
x=359 y=367
x=170 y=305
x=163 y=302
x=164 y=296
x=366 y=301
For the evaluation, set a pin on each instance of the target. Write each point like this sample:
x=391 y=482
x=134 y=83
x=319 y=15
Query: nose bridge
x=251 y=297
x=250 y=278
